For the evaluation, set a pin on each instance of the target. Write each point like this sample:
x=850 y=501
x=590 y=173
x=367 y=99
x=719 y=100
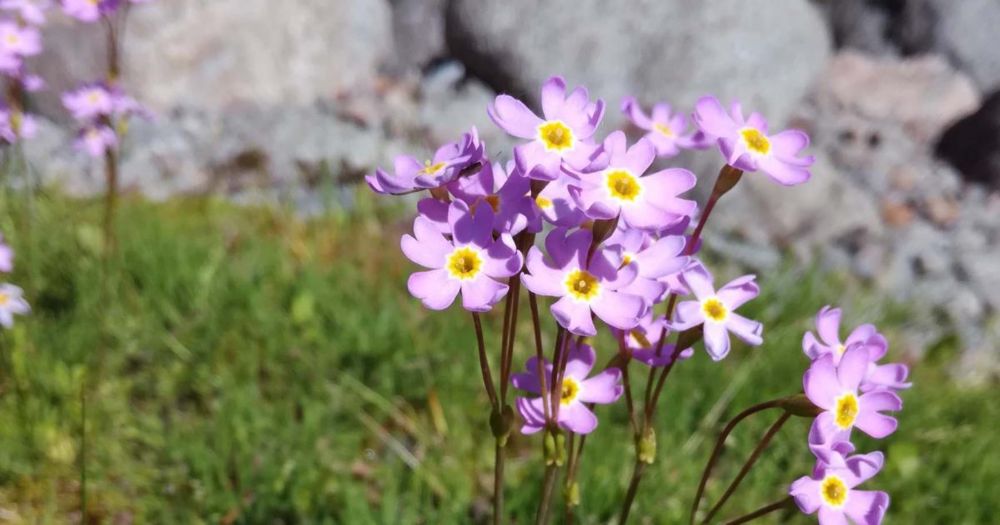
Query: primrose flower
x=508 y=195
x=16 y=126
x=11 y=303
x=18 y=40
x=89 y=102
x=831 y=489
x=747 y=146
x=666 y=129
x=563 y=136
x=834 y=389
x=6 y=256
x=555 y=204
x=643 y=339
x=648 y=202
x=31 y=11
x=654 y=260
x=584 y=287
x=716 y=309
x=469 y=262
x=96 y=140
x=448 y=162
x=89 y=10
x=575 y=391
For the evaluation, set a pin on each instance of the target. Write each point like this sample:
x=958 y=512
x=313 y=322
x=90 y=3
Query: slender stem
x=548 y=484
x=498 y=469
x=83 y=449
x=555 y=389
x=717 y=451
x=559 y=373
x=627 y=385
x=763 y=511
x=507 y=353
x=633 y=488
x=110 y=199
x=764 y=442
x=539 y=352
x=484 y=362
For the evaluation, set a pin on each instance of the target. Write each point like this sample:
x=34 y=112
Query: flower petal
x=512 y=116
x=434 y=288
x=603 y=388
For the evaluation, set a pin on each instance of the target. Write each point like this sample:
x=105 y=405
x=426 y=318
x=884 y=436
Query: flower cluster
x=852 y=390
x=11 y=297
x=617 y=244
x=20 y=38
x=100 y=109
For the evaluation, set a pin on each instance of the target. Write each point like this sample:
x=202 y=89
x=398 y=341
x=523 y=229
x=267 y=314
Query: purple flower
x=562 y=136
x=89 y=102
x=831 y=489
x=96 y=140
x=508 y=195
x=31 y=11
x=667 y=131
x=654 y=260
x=448 y=162
x=643 y=339
x=584 y=287
x=649 y=202
x=575 y=391
x=469 y=262
x=18 y=40
x=747 y=146
x=11 y=303
x=6 y=256
x=89 y=10
x=834 y=389
x=556 y=206
x=16 y=126
x=716 y=309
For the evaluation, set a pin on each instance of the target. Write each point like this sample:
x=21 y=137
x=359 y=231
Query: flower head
x=11 y=303
x=96 y=140
x=89 y=101
x=667 y=131
x=585 y=287
x=562 y=136
x=448 y=162
x=831 y=489
x=647 y=202
x=506 y=191
x=716 y=310
x=89 y=10
x=644 y=338
x=16 y=125
x=469 y=262
x=31 y=11
x=747 y=146
x=575 y=391
x=654 y=260
x=834 y=389
x=20 y=41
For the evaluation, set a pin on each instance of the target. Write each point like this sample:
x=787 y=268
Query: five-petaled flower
x=448 y=162
x=716 y=310
x=11 y=303
x=666 y=130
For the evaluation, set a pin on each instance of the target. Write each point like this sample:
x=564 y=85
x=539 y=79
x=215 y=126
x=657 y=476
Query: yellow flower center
x=664 y=130
x=493 y=201
x=464 y=263
x=582 y=285
x=841 y=349
x=834 y=491
x=756 y=141
x=12 y=39
x=714 y=309
x=570 y=389
x=432 y=169
x=543 y=203
x=556 y=136
x=847 y=410
x=4 y=299
x=623 y=185
x=626 y=260
x=640 y=338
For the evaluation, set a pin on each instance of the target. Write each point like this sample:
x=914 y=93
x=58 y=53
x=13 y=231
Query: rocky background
x=902 y=98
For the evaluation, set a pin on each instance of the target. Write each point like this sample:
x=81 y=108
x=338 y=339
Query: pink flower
x=11 y=303
x=643 y=339
x=654 y=260
x=89 y=10
x=747 y=146
x=96 y=140
x=89 y=102
x=716 y=310
x=667 y=131
x=834 y=389
x=648 y=202
x=584 y=287
x=31 y=11
x=18 y=40
x=448 y=162
x=575 y=392
x=563 y=136
x=831 y=489
x=470 y=262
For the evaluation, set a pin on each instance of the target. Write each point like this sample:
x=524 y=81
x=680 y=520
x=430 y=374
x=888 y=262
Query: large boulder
x=966 y=31
x=764 y=52
x=216 y=54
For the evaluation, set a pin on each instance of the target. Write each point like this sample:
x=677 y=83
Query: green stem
x=498 y=470
x=548 y=484
x=484 y=362
x=633 y=488
x=754 y=456
x=717 y=451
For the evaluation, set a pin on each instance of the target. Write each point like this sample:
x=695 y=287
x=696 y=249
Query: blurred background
x=258 y=360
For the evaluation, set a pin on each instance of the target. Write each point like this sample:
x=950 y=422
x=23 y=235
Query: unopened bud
x=647 y=447
x=799 y=405
x=572 y=494
x=728 y=178
x=501 y=422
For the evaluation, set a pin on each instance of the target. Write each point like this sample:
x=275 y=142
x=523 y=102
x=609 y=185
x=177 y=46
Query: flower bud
x=799 y=405
x=646 y=446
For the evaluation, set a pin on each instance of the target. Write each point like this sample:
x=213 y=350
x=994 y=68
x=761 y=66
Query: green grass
x=243 y=366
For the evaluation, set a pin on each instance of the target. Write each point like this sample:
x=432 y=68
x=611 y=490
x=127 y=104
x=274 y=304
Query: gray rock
x=418 y=34
x=883 y=27
x=764 y=52
x=254 y=51
x=966 y=32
